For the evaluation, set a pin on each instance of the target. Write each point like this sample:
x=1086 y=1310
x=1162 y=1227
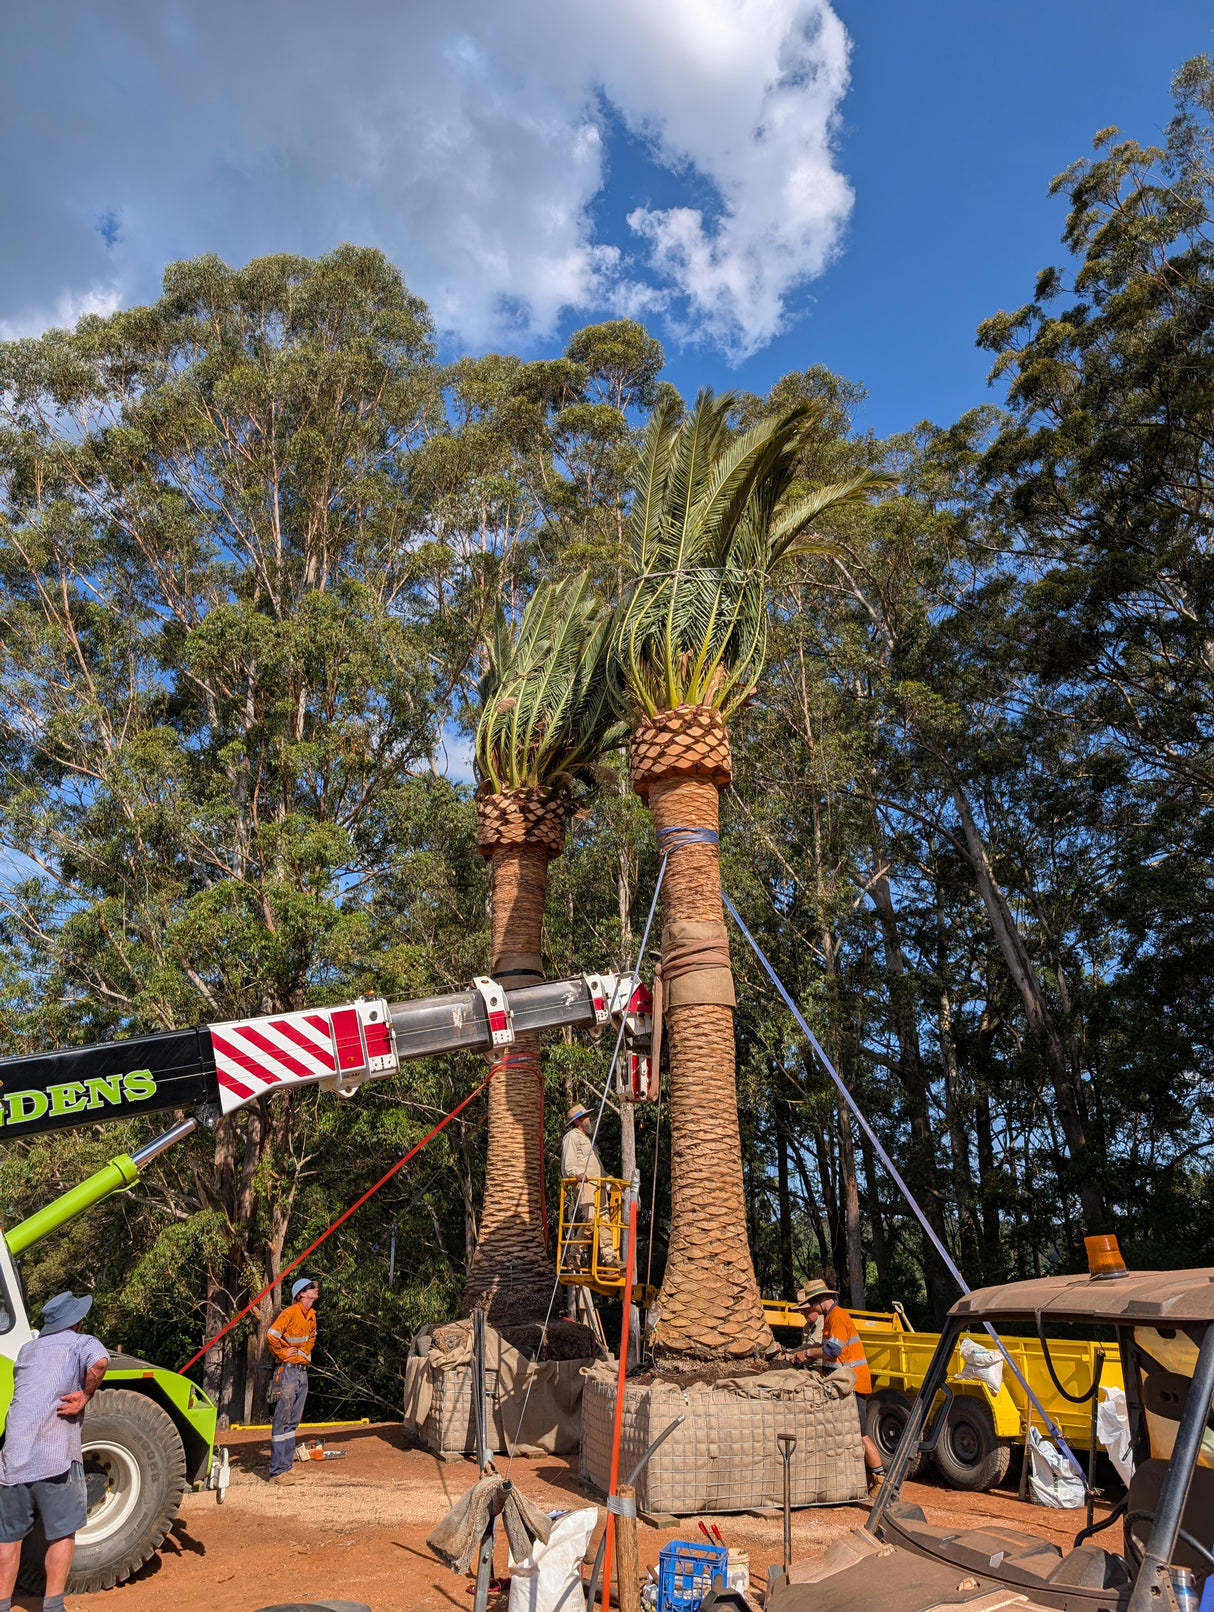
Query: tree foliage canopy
x=258 y=547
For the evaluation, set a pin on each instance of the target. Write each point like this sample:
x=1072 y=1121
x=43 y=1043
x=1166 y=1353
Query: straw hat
x=813 y=1291
x=577 y=1112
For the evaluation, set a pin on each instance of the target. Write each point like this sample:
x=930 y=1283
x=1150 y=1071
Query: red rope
x=370 y=1192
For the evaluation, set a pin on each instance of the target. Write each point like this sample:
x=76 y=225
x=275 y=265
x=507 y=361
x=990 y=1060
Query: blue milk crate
x=686 y=1572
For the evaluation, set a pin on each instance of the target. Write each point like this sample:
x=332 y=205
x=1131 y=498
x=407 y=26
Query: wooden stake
x=628 y=1563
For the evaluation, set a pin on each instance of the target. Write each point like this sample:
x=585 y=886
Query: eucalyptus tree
x=214 y=683
x=545 y=717
x=713 y=513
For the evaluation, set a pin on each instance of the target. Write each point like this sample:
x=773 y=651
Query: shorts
x=862 y=1408
x=61 y=1502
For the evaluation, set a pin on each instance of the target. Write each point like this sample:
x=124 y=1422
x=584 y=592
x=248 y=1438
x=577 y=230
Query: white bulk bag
x=1053 y=1481
x=550 y=1580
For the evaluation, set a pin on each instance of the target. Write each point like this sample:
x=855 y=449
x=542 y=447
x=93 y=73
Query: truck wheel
x=888 y=1413
x=969 y=1454
x=134 y=1470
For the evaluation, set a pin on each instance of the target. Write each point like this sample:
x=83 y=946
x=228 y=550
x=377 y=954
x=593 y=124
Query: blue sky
x=958 y=117
x=768 y=183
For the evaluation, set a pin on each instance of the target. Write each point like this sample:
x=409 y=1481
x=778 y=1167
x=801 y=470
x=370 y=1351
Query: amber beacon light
x=1104 y=1256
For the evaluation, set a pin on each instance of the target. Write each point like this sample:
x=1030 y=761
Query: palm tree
x=712 y=514
x=545 y=717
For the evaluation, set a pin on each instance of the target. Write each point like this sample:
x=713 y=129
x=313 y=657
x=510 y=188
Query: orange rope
x=370 y=1192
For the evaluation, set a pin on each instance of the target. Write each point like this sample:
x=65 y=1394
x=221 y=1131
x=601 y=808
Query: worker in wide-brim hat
x=580 y=1162
x=41 y=1466
x=841 y=1346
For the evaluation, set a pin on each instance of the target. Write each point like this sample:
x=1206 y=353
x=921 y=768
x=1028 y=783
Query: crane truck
x=149 y=1432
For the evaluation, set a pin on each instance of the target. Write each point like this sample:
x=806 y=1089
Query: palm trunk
x=510 y=1275
x=788 y=1275
x=709 y=1302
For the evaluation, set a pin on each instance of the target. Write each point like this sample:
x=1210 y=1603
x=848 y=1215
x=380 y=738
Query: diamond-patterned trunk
x=710 y=1303
x=511 y=1275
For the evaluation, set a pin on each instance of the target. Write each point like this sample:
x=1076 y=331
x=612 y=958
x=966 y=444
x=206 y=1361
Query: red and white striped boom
x=217 y=1068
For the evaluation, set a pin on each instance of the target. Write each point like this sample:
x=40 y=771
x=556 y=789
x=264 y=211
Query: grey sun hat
x=63 y=1311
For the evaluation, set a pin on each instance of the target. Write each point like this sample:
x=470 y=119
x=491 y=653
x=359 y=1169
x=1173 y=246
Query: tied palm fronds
x=545 y=710
x=712 y=514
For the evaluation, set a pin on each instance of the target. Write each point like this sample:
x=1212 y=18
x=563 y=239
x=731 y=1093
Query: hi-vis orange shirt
x=841 y=1346
x=292 y=1335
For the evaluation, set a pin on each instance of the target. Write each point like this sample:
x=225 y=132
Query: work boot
x=290 y=1476
x=876 y=1481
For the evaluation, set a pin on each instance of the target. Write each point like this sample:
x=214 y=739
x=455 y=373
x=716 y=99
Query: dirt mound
x=561 y=1340
x=682 y=1373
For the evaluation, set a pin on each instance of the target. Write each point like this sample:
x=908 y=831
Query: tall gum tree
x=545 y=717
x=713 y=512
x=213 y=690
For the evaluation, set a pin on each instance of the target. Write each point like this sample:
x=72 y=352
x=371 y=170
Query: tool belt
x=274 y=1392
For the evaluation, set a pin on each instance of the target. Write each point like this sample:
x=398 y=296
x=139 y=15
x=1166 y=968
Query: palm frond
x=712 y=514
x=545 y=707
x=849 y=493
x=649 y=482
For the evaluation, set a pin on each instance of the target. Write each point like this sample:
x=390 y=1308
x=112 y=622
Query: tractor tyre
x=888 y=1413
x=134 y=1471
x=969 y=1454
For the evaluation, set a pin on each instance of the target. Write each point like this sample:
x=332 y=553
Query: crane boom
x=217 y=1068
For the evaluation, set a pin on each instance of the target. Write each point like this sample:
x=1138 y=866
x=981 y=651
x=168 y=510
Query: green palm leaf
x=713 y=512
x=545 y=711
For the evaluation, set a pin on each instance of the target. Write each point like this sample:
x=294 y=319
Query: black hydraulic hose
x=1098 y=1527
x=1075 y=1399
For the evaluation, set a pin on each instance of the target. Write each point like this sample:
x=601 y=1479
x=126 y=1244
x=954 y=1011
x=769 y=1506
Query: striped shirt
x=841 y=1346
x=38 y=1442
x=292 y=1335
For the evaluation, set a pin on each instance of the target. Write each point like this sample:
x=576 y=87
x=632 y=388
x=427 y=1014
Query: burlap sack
x=438 y=1410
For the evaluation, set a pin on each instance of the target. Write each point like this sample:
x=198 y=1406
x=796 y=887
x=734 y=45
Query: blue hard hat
x=304 y=1281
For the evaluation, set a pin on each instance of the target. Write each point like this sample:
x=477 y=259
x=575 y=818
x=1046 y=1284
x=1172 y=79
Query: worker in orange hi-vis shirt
x=841 y=1346
x=290 y=1340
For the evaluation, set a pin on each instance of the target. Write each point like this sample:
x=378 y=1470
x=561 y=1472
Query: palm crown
x=545 y=710
x=712 y=514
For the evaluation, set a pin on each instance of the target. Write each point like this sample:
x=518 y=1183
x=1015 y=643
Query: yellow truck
x=974 y=1447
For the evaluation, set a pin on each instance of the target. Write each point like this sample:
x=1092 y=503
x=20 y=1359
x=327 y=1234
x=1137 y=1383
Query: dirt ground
x=355 y=1529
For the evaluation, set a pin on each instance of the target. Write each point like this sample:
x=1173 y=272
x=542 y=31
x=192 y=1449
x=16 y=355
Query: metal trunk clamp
x=497 y=1010
x=598 y=998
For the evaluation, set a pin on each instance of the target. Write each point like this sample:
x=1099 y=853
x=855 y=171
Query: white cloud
x=468 y=139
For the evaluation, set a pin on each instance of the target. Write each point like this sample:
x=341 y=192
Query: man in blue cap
x=290 y=1339
x=41 y=1470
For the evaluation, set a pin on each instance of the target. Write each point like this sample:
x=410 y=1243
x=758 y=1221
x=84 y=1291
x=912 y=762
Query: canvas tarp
x=439 y=1404
x=725 y=1457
